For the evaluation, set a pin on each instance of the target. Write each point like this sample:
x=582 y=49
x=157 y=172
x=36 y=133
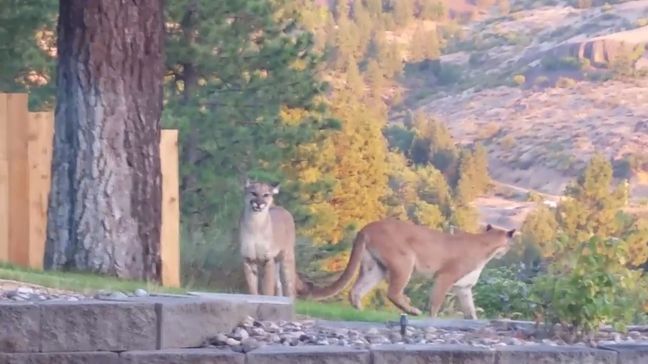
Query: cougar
x=394 y=249
x=267 y=238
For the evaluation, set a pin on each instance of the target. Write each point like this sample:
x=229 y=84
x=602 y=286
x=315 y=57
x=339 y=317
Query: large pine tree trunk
x=104 y=207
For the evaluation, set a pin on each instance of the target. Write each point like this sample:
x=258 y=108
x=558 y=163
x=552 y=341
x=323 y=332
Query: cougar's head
x=259 y=196
x=503 y=239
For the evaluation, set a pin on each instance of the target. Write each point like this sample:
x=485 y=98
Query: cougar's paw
x=415 y=311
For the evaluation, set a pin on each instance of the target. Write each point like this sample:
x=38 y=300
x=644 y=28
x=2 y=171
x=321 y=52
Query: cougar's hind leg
x=398 y=279
x=288 y=275
x=371 y=273
x=464 y=294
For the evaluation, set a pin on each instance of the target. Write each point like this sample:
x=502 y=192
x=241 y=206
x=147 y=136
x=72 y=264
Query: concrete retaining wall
x=163 y=330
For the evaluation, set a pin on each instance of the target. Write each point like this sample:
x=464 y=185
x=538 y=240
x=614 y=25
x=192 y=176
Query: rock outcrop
x=603 y=50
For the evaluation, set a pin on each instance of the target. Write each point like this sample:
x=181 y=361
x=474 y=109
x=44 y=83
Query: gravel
x=251 y=334
x=21 y=292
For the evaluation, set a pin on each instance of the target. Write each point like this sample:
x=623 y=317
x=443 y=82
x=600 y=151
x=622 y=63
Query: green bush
x=552 y=63
x=590 y=286
x=519 y=80
x=449 y=74
x=541 y=81
x=502 y=292
x=565 y=82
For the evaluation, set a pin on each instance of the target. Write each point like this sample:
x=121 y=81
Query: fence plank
x=170 y=231
x=17 y=116
x=4 y=182
x=40 y=136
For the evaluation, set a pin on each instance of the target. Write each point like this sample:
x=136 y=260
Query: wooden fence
x=25 y=166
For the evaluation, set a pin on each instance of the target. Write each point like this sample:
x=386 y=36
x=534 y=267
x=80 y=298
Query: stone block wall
x=171 y=329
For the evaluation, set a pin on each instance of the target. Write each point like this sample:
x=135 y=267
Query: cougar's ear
x=247 y=182
x=489 y=227
x=510 y=233
x=275 y=188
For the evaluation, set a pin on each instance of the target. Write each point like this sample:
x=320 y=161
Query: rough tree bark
x=105 y=203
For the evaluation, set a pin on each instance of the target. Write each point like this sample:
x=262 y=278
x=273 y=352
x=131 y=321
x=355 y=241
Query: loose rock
x=311 y=333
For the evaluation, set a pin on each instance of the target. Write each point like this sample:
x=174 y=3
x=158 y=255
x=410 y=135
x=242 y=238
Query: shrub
x=587 y=287
x=477 y=58
x=449 y=74
x=560 y=63
x=541 y=81
x=519 y=80
x=502 y=292
x=565 y=82
x=641 y=22
x=623 y=63
x=508 y=142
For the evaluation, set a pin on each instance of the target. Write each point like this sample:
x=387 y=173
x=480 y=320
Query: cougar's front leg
x=442 y=284
x=269 y=281
x=250 y=270
x=279 y=286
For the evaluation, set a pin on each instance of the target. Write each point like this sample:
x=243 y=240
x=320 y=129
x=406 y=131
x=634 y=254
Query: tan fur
x=394 y=249
x=267 y=239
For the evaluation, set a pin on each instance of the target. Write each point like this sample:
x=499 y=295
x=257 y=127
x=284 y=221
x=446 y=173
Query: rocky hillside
x=544 y=87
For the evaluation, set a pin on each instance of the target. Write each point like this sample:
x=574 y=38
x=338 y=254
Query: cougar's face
x=505 y=238
x=259 y=195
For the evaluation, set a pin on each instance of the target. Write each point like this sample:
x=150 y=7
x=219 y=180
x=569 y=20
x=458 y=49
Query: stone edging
x=343 y=355
x=137 y=323
x=164 y=328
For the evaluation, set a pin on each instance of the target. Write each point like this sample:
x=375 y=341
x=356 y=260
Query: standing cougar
x=267 y=237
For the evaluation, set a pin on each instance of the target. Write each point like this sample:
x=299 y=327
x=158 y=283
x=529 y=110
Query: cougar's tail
x=319 y=293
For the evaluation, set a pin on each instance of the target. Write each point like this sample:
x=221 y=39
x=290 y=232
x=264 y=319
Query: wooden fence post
x=40 y=136
x=4 y=182
x=170 y=230
x=15 y=145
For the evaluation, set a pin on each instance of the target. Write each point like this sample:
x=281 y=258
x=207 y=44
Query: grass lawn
x=91 y=283
x=338 y=311
x=77 y=282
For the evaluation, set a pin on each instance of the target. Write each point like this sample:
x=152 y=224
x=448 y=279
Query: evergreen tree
x=473 y=175
x=374 y=76
x=465 y=217
x=347 y=43
x=387 y=55
x=222 y=96
x=354 y=81
x=424 y=46
x=592 y=205
x=360 y=166
x=375 y=8
x=432 y=10
x=540 y=229
x=403 y=12
x=433 y=144
x=341 y=9
x=104 y=211
x=27 y=38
